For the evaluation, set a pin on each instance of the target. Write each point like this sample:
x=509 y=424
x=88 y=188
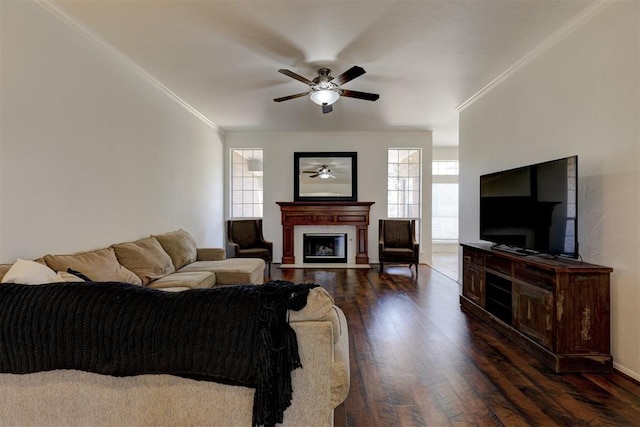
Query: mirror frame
x=324 y=158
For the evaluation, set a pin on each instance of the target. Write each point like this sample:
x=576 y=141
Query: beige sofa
x=76 y=398
x=169 y=261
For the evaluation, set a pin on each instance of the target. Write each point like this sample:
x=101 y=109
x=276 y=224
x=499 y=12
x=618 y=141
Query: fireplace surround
x=323 y=213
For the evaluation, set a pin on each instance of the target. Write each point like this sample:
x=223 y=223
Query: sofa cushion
x=30 y=273
x=254 y=253
x=399 y=254
x=101 y=265
x=233 y=271
x=185 y=280
x=180 y=246
x=146 y=258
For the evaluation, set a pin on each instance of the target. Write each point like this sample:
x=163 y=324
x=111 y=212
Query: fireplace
x=325 y=247
x=322 y=214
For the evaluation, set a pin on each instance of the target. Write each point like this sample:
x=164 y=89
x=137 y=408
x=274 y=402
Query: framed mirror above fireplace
x=325 y=176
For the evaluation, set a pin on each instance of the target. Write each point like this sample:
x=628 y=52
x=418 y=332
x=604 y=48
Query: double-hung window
x=403 y=184
x=444 y=218
x=246 y=183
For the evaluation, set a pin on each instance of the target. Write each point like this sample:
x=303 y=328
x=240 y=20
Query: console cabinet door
x=473 y=283
x=533 y=313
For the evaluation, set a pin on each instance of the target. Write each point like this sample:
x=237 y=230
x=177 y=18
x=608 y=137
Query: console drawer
x=535 y=276
x=499 y=264
x=474 y=257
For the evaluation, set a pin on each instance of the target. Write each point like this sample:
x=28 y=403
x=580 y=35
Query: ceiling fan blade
x=327 y=109
x=296 y=76
x=349 y=75
x=285 y=98
x=314 y=176
x=360 y=95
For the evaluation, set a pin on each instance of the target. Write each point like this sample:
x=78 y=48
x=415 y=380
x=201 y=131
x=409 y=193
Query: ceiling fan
x=323 y=172
x=325 y=89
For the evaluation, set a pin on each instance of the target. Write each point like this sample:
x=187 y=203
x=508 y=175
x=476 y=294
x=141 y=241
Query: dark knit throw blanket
x=235 y=334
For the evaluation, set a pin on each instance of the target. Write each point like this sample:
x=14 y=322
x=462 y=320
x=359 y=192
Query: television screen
x=532 y=208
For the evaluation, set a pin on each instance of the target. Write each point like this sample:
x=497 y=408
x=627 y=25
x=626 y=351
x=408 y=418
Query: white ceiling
x=424 y=58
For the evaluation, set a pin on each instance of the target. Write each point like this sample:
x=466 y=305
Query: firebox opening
x=323 y=247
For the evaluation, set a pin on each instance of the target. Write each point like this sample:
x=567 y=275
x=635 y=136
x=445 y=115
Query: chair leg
x=381 y=267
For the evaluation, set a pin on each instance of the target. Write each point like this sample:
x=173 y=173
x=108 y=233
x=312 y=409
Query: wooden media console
x=556 y=309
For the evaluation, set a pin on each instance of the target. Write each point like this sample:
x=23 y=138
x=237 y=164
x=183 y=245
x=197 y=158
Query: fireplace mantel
x=325 y=213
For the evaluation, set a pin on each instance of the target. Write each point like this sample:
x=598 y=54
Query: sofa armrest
x=210 y=254
x=324 y=381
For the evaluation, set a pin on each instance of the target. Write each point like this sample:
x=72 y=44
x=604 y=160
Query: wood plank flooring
x=418 y=360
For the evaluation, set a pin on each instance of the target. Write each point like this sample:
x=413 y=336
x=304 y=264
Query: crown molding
x=551 y=41
x=76 y=25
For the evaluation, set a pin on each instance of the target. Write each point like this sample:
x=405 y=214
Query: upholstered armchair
x=245 y=240
x=397 y=242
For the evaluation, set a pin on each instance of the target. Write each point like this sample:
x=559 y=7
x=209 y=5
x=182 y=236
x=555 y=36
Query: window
x=403 y=184
x=570 y=238
x=444 y=218
x=445 y=167
x=246 y=183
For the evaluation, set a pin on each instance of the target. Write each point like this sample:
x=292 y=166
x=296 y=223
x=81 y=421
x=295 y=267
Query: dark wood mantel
x=325 y=213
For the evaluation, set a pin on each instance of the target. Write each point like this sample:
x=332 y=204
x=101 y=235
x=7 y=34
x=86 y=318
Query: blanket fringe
x=278 y=354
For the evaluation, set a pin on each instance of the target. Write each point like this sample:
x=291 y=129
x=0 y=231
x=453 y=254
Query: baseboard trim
x=627 y=373
x=324 y=266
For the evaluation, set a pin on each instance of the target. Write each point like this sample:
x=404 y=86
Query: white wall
x=580 y=97
x=92 y=153
x=446 y=153
x=372 y=173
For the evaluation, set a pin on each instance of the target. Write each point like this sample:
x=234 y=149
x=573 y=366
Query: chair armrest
x=267 y=245
x=210 y=254
x=233 y=249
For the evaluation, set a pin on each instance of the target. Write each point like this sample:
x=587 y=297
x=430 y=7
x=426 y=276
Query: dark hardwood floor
x=418 y=360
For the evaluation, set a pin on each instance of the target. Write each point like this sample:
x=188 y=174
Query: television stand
x=555 y=309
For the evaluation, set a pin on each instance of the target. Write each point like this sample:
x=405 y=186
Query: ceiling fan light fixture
x=324 y=97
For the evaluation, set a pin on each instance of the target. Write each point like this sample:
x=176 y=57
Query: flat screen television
x=532 y=209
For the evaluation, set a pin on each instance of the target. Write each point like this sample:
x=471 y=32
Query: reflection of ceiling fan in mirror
x=323 y=172
x=325 y=89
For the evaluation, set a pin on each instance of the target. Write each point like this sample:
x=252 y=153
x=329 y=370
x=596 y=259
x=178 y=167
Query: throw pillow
x=68 y=277
x=102 y=265
x=145 y=258
x=3 y=270
x=180 y=246
x=79 y=275
x=30 y=273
